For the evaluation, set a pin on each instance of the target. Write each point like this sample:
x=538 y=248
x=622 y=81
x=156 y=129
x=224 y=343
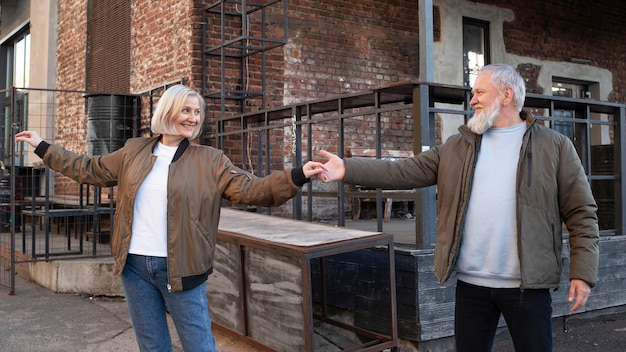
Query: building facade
x=247 y=57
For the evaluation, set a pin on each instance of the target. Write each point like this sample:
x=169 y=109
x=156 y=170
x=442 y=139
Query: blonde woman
x=167 y=213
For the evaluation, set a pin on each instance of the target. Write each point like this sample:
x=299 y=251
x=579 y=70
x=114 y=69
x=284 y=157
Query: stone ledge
x=92 y=276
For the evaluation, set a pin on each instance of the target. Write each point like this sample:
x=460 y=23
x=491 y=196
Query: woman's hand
x=30 y=137
x=312 y=168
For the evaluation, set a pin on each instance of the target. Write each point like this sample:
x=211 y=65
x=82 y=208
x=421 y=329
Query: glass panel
x=604 y=193
x=602 y=134
x=577 y=133
x=22 y=61
x=601 y=117
x=564 y=127
x=603 y=159
x=561 y=92
x=27 y=60
x=19 y=64
x=475 y=50
x=10 y=57
x=603 y=163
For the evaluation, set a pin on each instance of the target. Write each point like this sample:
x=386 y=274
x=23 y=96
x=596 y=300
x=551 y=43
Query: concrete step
x=92 y=276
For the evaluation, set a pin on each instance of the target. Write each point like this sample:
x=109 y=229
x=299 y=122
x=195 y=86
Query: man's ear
x=507 y=96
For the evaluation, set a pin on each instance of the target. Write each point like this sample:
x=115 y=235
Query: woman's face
x=185 y=121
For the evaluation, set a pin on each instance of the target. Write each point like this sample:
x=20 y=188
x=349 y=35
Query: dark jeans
x=528 y=315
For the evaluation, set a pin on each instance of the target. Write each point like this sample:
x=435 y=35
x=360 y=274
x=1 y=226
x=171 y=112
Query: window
x=16 y=53
x=564 y=118
x=475 y=48
x=593 y=137
x=15 y=58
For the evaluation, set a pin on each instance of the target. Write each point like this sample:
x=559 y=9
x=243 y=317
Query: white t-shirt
x=149 y=235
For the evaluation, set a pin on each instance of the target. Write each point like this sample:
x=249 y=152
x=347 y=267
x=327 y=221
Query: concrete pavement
x=603 y=330
x=37 y=320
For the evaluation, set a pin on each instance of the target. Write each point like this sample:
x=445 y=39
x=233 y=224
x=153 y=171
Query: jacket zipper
x=529 y=182
x=554 y=245
x=530 y=169
x=467 y=185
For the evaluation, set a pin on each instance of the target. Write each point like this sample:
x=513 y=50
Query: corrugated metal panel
x=108 y=62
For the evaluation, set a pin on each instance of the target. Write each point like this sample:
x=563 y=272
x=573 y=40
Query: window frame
x=484 y=25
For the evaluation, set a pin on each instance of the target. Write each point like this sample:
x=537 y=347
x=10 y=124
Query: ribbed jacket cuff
x=42 y=148
x=297 y=175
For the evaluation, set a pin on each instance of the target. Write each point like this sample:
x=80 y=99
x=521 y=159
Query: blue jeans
x=528 y=316
x=144 y=281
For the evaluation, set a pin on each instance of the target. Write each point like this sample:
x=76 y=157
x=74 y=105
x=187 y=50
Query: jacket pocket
x=204 y=233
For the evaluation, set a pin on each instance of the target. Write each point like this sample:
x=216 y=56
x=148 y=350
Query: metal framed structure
x=427 y=102
x=235 y=30
x=34 y=197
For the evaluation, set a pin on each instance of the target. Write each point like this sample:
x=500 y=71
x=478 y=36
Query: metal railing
x=43 y=214
x=411 y=116
x=407 y=116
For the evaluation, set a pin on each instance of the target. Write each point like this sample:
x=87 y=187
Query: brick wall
x=165 y=43
x=71 y=73
x=165 y=46
x=334 y=47
x=339 y=47
x=70 y=124
x=562 y=30
x=346 y=46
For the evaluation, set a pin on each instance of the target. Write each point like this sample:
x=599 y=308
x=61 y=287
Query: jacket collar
x=184 y=144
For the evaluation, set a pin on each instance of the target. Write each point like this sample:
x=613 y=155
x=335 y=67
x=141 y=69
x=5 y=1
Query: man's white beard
x=481 y=122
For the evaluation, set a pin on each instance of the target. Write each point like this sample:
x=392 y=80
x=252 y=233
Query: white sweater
x=488 y=255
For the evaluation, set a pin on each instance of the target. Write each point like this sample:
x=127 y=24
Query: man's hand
x=334 y=168
x=580 y=290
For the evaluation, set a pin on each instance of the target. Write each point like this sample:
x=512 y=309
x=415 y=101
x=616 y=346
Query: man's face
x=486 y=103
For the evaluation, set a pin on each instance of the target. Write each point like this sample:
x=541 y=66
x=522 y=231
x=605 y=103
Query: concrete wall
x=15 y=14
x=92 y=276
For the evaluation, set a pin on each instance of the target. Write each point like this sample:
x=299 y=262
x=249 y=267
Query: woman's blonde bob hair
x=169 y=105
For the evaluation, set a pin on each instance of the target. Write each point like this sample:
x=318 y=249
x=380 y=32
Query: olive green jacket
x=199 y=177
x=551 y=188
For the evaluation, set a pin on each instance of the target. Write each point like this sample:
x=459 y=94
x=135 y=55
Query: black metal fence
x=411 y=117
x=43 y=214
